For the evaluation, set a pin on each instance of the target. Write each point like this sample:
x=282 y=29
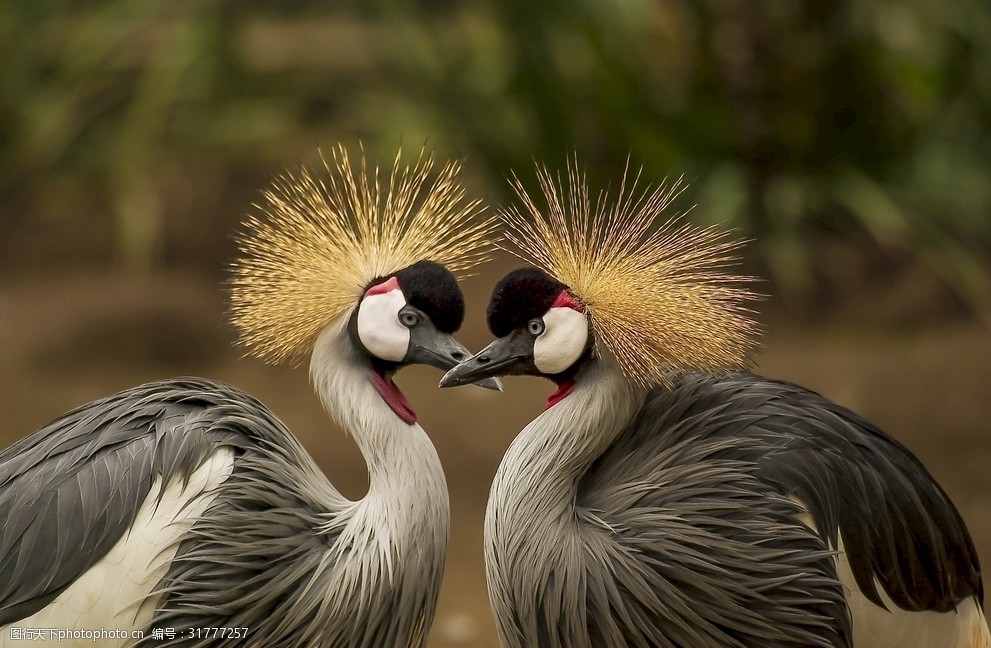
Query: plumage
x=186 y=504
x=667 y=497
x=318 y=241
x=657 y=293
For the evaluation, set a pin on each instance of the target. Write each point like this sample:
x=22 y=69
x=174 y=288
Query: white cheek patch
x=562 y=342
x=379 y=328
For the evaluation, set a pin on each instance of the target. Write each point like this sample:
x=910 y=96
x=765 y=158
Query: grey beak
x=509 y=355
x=441 y=350
x=490 y=383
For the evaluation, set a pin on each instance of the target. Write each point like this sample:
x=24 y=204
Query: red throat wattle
x=394 y=398
x=562 y=390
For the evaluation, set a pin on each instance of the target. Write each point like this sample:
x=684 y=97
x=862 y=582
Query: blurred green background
x=136 y=133
x=850 y=140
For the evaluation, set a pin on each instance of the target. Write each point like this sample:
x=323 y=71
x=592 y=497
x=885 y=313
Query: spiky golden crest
x=656 y=292
x=319 y=241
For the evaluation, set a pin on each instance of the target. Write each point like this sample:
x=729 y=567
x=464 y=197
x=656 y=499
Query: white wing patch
x=379 y=328
x=876 y=627
x=562 y=342
x=114 y=594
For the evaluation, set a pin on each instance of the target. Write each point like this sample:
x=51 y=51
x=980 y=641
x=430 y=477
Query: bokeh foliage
x=138 y=132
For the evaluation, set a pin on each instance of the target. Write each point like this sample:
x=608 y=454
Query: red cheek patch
x=386 y=286
x=565 y=300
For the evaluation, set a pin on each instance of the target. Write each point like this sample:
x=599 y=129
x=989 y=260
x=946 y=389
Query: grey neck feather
x=284 y=553
x=396 y=536
x=545 y=461
x=405 y=473
x=531 y=519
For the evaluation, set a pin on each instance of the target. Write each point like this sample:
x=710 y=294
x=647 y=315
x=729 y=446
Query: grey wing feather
x=709 y=464
x=258 y=557
x=898 y=525
x=69 y=491
x=262 y=555
x=702 y=551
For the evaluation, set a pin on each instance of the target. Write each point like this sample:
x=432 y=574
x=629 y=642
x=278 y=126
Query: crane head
x=410 y=318
x=325 y=241
x=617 y=278
x=542 y=330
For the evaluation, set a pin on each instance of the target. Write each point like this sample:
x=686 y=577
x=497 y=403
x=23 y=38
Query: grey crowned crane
x=184 y=510
x=667 y=497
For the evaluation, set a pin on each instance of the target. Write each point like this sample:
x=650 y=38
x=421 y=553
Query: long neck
x=530 y=522
x=407 y=501
x=539 y=475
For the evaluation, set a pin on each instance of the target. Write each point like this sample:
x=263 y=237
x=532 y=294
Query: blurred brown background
x=850 y=140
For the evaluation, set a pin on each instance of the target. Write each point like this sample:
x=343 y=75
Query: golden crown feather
x=656 y=289
x=318 y=241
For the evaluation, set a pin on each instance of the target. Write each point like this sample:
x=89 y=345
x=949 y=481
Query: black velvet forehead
x=432 y=288
x=519 y=297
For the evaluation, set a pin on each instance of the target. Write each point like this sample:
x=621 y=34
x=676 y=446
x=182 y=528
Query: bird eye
x=535 y=326
x=409 y=319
